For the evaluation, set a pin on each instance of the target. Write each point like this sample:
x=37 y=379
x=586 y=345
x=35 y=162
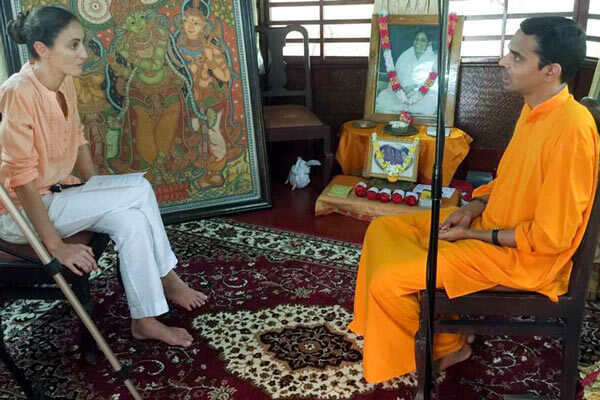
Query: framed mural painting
x=170 y=88
x=413 y=44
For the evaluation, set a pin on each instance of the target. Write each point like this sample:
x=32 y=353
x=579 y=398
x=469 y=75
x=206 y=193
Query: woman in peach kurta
x=541 y=201
x=41 y=143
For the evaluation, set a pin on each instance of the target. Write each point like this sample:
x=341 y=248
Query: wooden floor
x=294 y=211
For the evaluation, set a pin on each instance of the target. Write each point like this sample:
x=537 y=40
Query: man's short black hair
x=559 y=40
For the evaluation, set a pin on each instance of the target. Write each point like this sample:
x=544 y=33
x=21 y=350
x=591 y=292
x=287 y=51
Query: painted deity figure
x=92 y=100
x=144 y=48
x=154 y=101
x=211 y=76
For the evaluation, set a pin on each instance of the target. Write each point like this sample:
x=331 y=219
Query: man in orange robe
x=521 y=229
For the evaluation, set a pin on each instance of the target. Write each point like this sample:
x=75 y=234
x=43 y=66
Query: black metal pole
x=436 y=186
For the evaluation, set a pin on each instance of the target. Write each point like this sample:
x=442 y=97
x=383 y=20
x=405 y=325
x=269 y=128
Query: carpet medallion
x=292 y=351
x=275 y=328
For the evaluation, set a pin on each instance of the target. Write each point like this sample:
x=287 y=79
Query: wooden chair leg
x=81 y=288
x=569 y=377
x=328 y=162
x=119 y=276
x=420 y=343
x=327 y=166
x=593 y=285
x=28 y=389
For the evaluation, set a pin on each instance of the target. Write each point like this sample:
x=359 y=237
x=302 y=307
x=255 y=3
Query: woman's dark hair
x=559 y=40
x=420 y=30
x=40 y=25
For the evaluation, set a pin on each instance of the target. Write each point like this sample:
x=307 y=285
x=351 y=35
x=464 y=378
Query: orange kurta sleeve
x=38 y=142
x=564 y=195
x=484 y=190
x=18 y=157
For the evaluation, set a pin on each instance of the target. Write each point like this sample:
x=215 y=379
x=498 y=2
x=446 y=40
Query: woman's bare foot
x=456 y=357
x=181 y=294
x=150 y=328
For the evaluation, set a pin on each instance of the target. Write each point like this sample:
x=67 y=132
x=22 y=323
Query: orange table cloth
x=354 y=143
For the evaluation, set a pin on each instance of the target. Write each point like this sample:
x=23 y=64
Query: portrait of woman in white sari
x=413 y=67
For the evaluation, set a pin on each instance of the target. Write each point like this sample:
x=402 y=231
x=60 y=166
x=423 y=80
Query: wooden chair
x=291 y=122
x=561 y=319
x=22 y=276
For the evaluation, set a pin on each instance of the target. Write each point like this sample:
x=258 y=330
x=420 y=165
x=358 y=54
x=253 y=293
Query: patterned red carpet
x=275 y=329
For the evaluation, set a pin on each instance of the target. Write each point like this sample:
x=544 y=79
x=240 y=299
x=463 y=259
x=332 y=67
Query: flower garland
x=386 y=46
x=393 y=171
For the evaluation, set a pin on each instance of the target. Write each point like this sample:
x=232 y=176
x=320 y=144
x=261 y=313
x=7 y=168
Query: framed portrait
x=393 y=156
x=170 y=87
x=414 y=49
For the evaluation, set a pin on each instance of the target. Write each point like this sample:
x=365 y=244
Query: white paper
x=446 y=191
x=98 y=182
x=432 y=131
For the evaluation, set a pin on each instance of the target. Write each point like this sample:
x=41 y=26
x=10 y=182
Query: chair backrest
x=274 y=40
x=584 y=256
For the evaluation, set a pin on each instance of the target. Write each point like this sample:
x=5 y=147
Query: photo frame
x=152 y=99
x=407 y=33
x=393 y=150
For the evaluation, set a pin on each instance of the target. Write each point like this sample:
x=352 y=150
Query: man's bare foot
x=456 y=357
x=150 y=328
x=181 y=294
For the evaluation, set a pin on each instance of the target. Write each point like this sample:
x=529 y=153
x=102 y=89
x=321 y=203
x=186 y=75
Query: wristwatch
x=495 y=237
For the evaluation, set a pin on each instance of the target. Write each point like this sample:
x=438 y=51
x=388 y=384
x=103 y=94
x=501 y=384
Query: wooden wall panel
x=484 y=109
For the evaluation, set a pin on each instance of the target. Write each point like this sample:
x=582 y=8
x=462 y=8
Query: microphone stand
x=436 y=186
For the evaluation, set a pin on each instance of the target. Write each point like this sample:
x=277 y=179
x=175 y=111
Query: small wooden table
x=354 y=143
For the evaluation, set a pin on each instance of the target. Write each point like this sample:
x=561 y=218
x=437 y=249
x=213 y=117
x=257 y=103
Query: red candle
x=385 y=195
x=398 y=196
x=411 y=199
x=372 y=193
x=360 y=189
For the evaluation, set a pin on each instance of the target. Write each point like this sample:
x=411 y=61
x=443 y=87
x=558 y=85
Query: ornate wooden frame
x=181 y=181
x=375 y=59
